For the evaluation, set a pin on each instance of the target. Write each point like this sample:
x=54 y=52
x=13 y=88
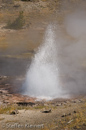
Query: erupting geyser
x=42 y=78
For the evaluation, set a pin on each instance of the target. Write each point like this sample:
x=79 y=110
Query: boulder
x=25 y=103
x=46 y=111
x=14 y=112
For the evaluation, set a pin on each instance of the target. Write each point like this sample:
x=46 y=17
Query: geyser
x=58 y=69
x=42 y=78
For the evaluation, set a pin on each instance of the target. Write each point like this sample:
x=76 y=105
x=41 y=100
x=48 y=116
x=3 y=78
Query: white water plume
x=42 y=79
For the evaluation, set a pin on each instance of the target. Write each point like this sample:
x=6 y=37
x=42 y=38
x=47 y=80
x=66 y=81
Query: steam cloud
x=59 y=67
x=42 y=78
x=75 y=53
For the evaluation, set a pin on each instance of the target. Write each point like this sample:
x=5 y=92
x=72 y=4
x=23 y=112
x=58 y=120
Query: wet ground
x=13 y=66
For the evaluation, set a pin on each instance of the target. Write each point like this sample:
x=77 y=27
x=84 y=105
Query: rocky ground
x=23 y=112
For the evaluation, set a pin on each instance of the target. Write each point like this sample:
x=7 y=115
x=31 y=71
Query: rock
x=16 y=5
x=1 y=92
x=74 y=102
x=58 y=104
x=46 y=111
x=14 y=112
x=25 y=103
x=64 y=115
x=75 y=127
x=69 y=114
x=70 y=121
x=1 y=103
x=74 y=111
x=80 y=101
x=64 y=103
x=5 y=77
x=84 y=124
x=4 y=91
x=6 y=101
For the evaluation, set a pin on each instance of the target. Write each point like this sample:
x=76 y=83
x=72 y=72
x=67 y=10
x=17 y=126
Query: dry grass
x=6 y=109
x=70 y=122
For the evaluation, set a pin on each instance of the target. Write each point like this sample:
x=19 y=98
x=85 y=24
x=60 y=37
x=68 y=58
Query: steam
x=42 y=78
x=75 y=53
x=75 y=24
x=59 y=67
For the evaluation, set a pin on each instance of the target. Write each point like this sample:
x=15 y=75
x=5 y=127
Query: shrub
x=18 y=23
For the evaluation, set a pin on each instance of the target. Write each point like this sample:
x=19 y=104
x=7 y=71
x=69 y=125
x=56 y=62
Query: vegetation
x=18 y=23
x=75 y=120
x=6 y=109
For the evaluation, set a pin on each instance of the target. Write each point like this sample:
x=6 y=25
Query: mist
x=58 y=69
x=42 y=79
x=74 y=60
